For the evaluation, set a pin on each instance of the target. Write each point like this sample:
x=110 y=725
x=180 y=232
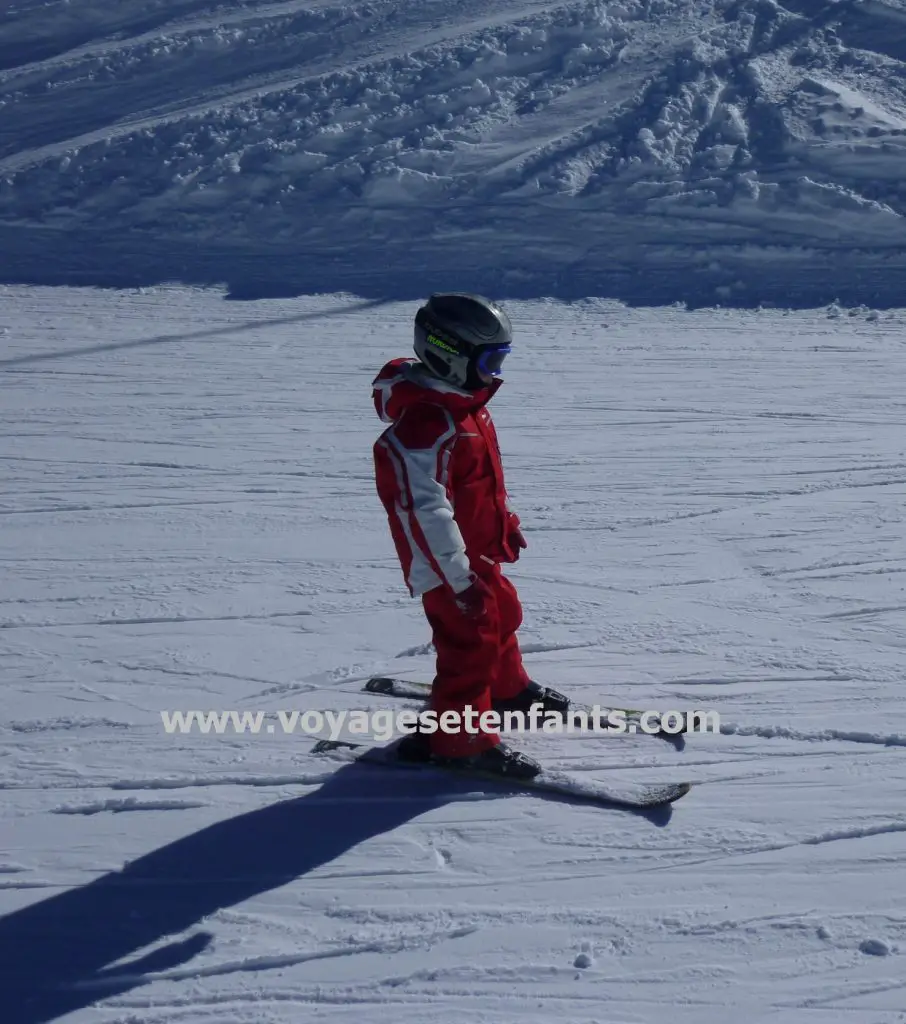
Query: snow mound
x=587 y=134
x=129 y=804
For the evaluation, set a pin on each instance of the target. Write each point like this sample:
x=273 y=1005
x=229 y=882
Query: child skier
x=440 y=479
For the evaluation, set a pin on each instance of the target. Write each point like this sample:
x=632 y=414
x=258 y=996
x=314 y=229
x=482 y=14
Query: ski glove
x=517 y=541
x=473 y=602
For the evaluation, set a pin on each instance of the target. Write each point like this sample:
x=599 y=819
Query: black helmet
x=462 y=339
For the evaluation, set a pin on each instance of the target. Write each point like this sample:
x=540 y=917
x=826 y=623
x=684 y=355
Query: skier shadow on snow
x=56 y=954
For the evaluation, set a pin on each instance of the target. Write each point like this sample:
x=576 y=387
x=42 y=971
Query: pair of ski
x=620 y=794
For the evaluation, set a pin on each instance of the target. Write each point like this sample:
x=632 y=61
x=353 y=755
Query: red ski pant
x=475 y=660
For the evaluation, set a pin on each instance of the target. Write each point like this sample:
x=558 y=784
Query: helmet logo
x=433 y=339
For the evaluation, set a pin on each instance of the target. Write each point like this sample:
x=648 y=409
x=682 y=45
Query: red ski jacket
x=440 y=478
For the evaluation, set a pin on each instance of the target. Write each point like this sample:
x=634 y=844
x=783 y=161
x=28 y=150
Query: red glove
x=516 y=540
x=473 y=602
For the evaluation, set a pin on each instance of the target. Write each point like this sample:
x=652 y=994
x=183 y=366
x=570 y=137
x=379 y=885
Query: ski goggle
x=490 y=361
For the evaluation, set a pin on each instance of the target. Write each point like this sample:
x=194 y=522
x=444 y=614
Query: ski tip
x=667 y=793
x=325 y=746
x=379 y=684
x=664 y=795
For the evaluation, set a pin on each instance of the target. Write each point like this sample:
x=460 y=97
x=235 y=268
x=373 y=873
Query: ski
x=408 y=689
x=640 y=796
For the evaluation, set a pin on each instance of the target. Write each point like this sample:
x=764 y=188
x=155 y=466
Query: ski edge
x=645 y=796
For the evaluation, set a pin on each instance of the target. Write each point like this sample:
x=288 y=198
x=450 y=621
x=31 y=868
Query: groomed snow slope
x=655 y=150
x=714 y=504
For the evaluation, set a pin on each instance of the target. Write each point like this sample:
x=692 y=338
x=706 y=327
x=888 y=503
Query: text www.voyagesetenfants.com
x=383 y=725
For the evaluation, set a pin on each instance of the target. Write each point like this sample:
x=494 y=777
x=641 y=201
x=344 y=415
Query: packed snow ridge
x=610 y=147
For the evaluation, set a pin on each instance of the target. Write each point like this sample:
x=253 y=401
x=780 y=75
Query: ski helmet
x=462 y=339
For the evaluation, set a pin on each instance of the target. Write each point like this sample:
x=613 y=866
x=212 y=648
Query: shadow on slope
x=704 y=271
x=55 y=955
x=164 y=339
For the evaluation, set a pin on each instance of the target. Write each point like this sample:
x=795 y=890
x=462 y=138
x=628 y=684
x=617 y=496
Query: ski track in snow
x=714 y=508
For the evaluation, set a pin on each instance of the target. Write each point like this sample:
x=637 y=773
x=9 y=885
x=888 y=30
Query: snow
x=713 y=501
x=712 y=489
x=733 y=151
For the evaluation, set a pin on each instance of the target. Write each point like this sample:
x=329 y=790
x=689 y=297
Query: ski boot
x=415 y=748
x=497 y=760
x=550 y=701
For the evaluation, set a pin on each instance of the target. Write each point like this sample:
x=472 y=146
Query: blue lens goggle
x=490 y=361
